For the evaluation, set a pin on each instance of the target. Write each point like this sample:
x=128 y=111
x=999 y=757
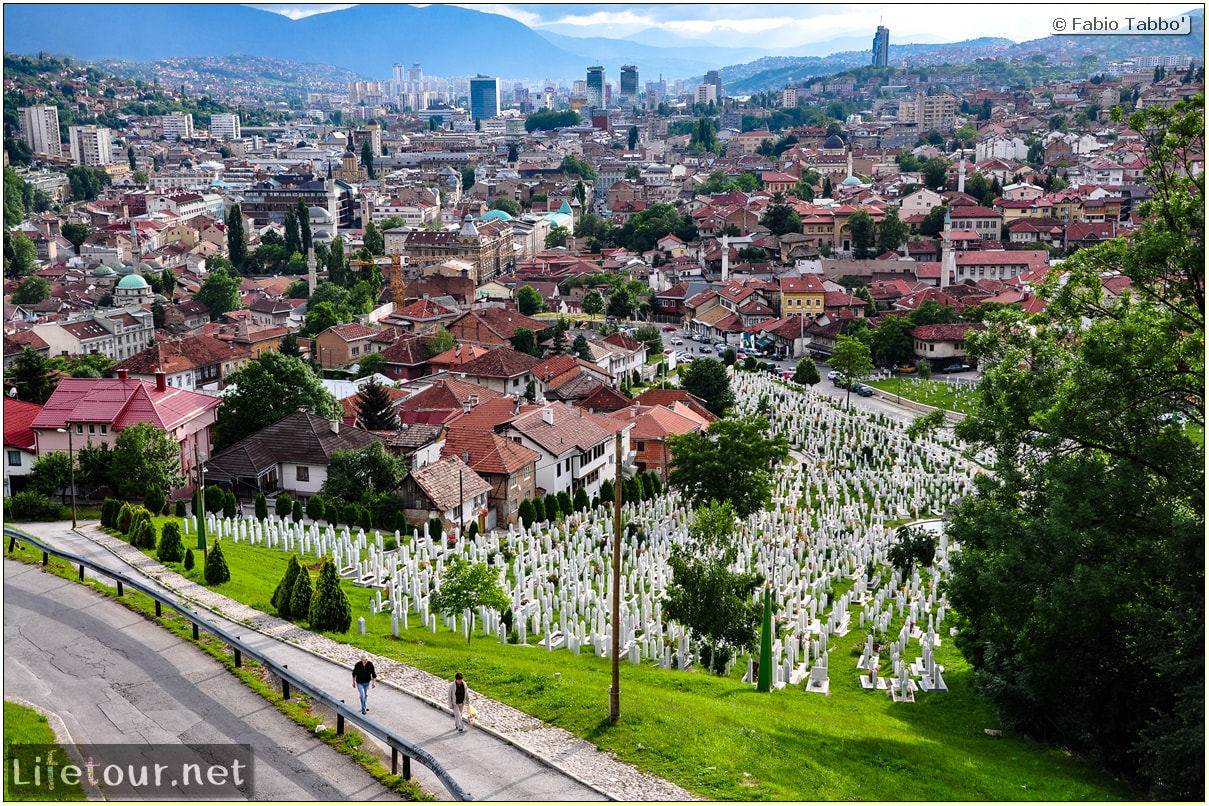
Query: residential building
x=804 y=295
x=98 y=409
x=290 y=456
x=225 y=126
x=714 y=79
x=340 y=345
x=447 y=489
x=928 y=112
x=193 y=363
x=486 y=246
x=510 y=468
x=940 y=342
x=116 y=333
x=20 y=445
x=177 y=125
x=576 y=448
x=596 y=96
x=90 y=145
x=40 y=129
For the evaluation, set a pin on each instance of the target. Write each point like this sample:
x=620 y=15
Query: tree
x=300 y=594
x=864 y=234
x=580 y=347
x=337 y=266
x=293 y=237
x=265 y=391
x=525 y=341
x=375 y=410
x=289 y=345
x=31 y=291
x=469 y=586
x=914 y=545
x=732 y=461
x=20 y=255
x=557 y=236
x=891 y=344
x=51 y=473
x=154 y=499
x=934 y=222
x=1080 y=580
x=852 y=359
x=261 y=506
x=216 y=571
x=717 y=605
x=935 y=171
x=86 y=182
x=144 y=455
x=375 y=242
x=220 y=292
x=367 y=159
x=892 y=232
x=303 y=214
x=352 y=475
x=593 y=303
x=237 y=242
x=281 y=594
x=632 y=138
x=707 y=379
x=529 y=300
x=171 y=549
x=806 y=373
x=508 y=204
x=77 y=234
x=330 y=610
x=439 y=342
x=651 y=337
x=781 y=218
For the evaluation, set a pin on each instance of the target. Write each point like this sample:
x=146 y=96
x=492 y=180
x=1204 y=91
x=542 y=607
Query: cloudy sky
x=775 y=25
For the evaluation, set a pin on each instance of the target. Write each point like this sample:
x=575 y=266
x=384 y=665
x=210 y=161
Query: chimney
x=123 y=374
x=335 y=425
x=161 y=381
x=548 y=415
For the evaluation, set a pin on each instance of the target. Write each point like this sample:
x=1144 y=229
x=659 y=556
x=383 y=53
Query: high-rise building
x=928 y=112
x=40 y=129
x=178 y=125
x=628 y=95
x=881 y=46
x=596 y=95
x=90 y=145
x=484 y=97
x=225 y=126
x=713 y=77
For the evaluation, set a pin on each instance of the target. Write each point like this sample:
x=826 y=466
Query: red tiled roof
x=18 y=414
x=951 y=332
x=502 y=362
x=121 y=402
x=487 y=451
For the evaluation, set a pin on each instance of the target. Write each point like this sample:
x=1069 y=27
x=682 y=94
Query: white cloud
x=296 y=11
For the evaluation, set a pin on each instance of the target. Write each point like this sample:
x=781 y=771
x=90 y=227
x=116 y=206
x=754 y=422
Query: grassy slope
x=26 y=726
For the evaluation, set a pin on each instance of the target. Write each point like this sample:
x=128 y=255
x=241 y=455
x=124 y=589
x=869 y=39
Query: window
x=79 y=428
x=302 y=473
x=14 y=458
x=104 y=429
x=92 y=428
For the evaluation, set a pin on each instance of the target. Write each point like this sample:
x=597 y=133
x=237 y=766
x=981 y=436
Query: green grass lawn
x=930 y=392
x=26 y=726
x=719 y=738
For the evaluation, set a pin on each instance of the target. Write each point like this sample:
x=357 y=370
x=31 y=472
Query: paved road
x=485 y=765
x=113 y=677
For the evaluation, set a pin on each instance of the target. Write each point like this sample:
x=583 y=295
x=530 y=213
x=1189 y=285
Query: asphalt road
x=485 y=765
x=115 y=678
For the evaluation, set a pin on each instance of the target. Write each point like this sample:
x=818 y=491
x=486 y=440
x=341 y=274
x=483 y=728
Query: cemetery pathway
x=505 y=755
x=104 y=675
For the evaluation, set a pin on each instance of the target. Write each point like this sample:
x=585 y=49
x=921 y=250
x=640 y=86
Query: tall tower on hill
x=881 y=47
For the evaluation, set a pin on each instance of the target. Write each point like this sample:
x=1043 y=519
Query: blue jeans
x=363 y=690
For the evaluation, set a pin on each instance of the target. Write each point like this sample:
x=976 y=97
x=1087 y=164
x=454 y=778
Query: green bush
x=281 y=595
x=216 y=571
x=401 y=525
x=473 y=531
x=539 y=509
x=181 y=510
x=171 y=549
x=32 y=506
x=315 y=508
x=285 y=505
x=262 y=507
x=365 y=519
x=296 y=512
x=329 y=609
x=215 y=498
x=109 y=513
x=565 y=507
x=188 y=559
x=435 y=527
x=124 y=516
x=142 y=533
x=581 y=499
x=154 y=498
x=300 y=594
x=229 y=505
x=526 y=513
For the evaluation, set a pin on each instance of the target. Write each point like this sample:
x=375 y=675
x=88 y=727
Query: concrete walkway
x=505 y=755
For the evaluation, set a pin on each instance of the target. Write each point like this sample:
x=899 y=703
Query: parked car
x=787 y=374
x=705 y=349
x=669 y=328
x=831 y=376
x=862 y=390
x=677 y=341
x=956 y=367
x=905 y=368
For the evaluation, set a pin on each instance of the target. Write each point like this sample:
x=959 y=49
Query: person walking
x=364 y=678
x=459 y=698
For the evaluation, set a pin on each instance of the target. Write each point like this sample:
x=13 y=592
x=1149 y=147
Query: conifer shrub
x=285 y=505
x=296 y=512
x=124 y=515
x=171 y=549
x=154 y=498
x=300 y=594
x=330 y=610
x=262 y=507
x=188 y=559
x=281 y=595
x=316 y=508
x=216 y=571
x=181 y=510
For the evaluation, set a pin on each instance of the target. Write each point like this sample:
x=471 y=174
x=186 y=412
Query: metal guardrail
x=398 y=745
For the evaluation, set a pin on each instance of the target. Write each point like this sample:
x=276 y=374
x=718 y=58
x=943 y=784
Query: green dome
x=133 y=282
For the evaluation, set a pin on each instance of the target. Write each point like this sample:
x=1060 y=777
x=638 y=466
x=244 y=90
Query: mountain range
x=369 y=39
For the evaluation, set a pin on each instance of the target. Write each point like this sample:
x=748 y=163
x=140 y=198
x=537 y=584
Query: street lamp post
x=615 y=689
x=71 y=467
x=199 y=507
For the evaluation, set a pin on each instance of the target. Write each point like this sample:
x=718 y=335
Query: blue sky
x=775 y=25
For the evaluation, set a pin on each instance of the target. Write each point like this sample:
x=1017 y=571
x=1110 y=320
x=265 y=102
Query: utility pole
x=199 y=506
x=615 y=689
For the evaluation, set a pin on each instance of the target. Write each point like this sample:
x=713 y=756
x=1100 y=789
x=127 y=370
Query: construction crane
x=394 y=278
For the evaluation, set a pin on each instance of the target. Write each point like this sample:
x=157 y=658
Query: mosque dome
x=133 y=282
x=833 y=142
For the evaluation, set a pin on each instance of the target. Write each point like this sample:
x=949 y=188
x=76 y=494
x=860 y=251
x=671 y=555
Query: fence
x=397 y=744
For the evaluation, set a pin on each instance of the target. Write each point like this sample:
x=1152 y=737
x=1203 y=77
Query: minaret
x=961 y=173
x=310 y=270
x=948 y=260
x=725 y=257
x=850 y=161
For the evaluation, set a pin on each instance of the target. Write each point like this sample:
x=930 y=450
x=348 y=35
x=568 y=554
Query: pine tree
x=170 y=549
x=374 y=408
x=564 y=503
x=216 y=571
x=181 y=510
x=262 y=507
x=230 y=505
x=315 y=508
x=237 y=243
x=296 y=512
x=330 y=610
x=300 y=594
x=188 y=559
x=154 y=498
x=281 y=595
x=304 y=226
x=581 y=499
x=539 y=509
x=293 y=238
x=526 y=514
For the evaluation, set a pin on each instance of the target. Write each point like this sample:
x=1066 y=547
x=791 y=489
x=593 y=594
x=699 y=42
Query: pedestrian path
x=507 y=755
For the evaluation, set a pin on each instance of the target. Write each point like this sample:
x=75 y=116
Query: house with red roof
x=651 y=427
x=349 y=343
x=447 y=489
x=20 y=444
x=98 y=409
x=576 y=447
x=943 y=344
x=510 y=468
